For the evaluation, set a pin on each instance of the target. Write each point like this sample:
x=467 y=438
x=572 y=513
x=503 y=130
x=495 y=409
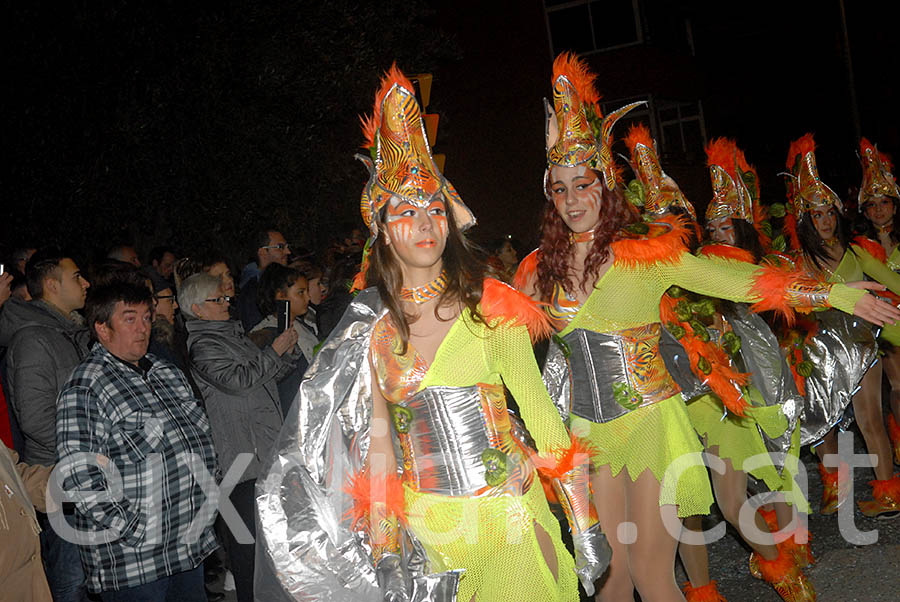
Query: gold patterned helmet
x=570 y=134
x=805 y=189
x=660 y=191
x=734 y=182
x=877 y=177
x=400 y=162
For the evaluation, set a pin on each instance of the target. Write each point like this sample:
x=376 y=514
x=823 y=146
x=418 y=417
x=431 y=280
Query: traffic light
x=422 y=84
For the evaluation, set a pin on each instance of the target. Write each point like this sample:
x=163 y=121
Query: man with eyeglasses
x=271 y=247
x=46 y=339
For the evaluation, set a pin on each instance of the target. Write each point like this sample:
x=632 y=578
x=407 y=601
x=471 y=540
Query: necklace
x=427 y=291
x=885 y=229
x=575 y=237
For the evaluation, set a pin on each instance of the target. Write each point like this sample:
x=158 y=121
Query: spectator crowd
x=138 y=392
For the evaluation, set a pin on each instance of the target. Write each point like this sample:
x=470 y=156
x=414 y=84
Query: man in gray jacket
x=46 y=340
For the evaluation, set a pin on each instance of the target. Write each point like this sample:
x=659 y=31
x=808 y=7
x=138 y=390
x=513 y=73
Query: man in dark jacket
x=46 y=340
x=270 y=247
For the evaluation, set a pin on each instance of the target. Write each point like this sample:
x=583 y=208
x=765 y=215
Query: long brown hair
x=556 y=249
x=465 y=275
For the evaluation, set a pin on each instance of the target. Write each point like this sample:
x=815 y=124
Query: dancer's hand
x=873 y=309
x=592 y=556
x=391 y=579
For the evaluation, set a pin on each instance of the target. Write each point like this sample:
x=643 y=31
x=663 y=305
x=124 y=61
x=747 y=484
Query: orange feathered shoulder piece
x=576 y=71
x=638 y=134
x=646 y=243
x=802 y=145
x=527 y=270
x=370 y=124
x=871 y=247
x=501 y=302
x=723 y=251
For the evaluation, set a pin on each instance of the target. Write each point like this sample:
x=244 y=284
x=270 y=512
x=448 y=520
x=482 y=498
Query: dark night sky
x=146 y=87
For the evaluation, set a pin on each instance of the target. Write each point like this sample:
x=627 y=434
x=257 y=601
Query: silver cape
x=306 y=550
x=842 y=351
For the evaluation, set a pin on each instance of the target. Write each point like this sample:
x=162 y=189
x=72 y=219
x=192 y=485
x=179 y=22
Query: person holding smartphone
x=284 y=300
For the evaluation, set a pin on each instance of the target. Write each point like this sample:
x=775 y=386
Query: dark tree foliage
x=193 y=123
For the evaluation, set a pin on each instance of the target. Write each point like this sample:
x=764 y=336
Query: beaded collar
x=427 y=291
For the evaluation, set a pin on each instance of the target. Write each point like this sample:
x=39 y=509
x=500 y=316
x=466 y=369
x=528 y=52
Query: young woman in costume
x=878 y=199
x=746 y=372
x=818 y=234
x=428 y=346
x=602 y=276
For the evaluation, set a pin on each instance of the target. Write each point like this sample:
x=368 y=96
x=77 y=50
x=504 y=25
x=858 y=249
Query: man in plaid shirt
x=136 y=456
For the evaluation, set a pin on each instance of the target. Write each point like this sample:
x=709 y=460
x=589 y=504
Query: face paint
x=577 y=194
x=417 y=235
x=721 y=230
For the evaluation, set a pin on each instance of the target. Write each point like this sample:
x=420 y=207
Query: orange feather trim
x=666 y=247
x=790 y=228
x=563 y=460
x=638 y=133
x=367 y=490
x=527 y=270
x=705 y=593
x=370 y=124
x=775 y=570
x=886 y=488
x=723 y=379
x=805 y=144
x=499 y=301
x=893 y=428
x=770 y=286
x=579 y=75
x=724 y=251
x=871 y=247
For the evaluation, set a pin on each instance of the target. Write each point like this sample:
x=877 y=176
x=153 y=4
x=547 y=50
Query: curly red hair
x=555 y=248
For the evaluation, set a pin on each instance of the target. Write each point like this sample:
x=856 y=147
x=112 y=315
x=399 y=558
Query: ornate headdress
x=401 y=163
x=735 y=183
x=805 y=189
x=570 y=135
x=877 y=177
x=660 y=190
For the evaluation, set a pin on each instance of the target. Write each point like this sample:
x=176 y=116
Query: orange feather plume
x=371 y=123
x=579 y=74
x=721 y=152
x=865 y=145
x=704 y=593
x=790 y=229
x=666 y=247
x=871 y=247
x=499 y=301
x=638 y=133
x=802 y=145
x=527 y=270
x=368 y=490
x=724 y=251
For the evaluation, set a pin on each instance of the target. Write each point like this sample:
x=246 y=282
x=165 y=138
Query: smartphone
x=283 y=311
x=2 y=269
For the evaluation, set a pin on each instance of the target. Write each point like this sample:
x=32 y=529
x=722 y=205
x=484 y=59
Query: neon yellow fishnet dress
x=492 y=537
x=857 y=262
x=652 y=437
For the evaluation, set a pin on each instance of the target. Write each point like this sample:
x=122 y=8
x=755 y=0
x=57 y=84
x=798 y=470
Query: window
x=585 y=26
x=681 y=126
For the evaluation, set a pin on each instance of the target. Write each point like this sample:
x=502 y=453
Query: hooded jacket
x=44 y=346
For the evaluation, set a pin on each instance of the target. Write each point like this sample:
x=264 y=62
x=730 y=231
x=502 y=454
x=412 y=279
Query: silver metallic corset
x=456 y=441
x=615 y=373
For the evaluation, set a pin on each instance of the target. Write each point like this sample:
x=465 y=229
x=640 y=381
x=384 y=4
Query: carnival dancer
x=817 y=232
x=602 y=276
x=745 y=369
x=878 y=198
x=420 y=358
